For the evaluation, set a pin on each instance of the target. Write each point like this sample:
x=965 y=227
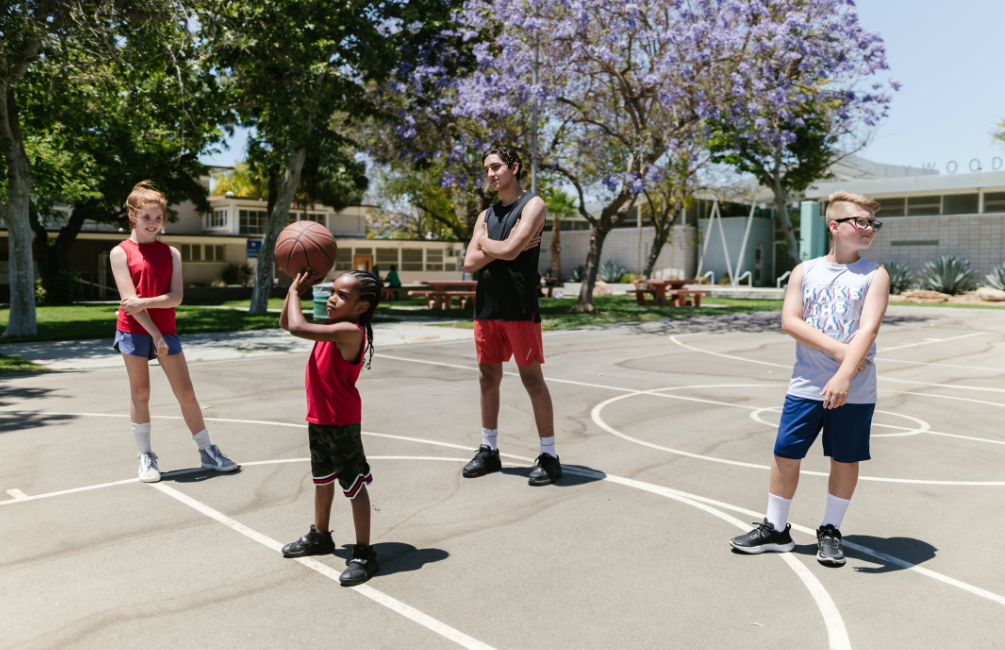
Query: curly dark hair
x=369 y=289
x=507 y=154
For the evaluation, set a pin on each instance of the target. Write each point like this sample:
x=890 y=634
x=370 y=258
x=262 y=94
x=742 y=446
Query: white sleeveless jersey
x=833 y=296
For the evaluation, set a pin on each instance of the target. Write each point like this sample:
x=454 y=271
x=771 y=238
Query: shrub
x=577 y=273
x=996 y=278
x=725 y=279
x=628 y=278
x=611 y=271
x=39 y=293
x=948 y=274
x=236 y=274
x=900 y=276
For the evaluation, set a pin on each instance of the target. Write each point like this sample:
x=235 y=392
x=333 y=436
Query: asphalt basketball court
x=665 y=435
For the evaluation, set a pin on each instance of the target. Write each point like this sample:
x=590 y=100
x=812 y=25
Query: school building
x=231 y=234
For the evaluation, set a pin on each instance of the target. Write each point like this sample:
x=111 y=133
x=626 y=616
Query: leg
x=323 y=495
x=843 y=479
x=361 y=516
x=176 y=370
x=540 y=398
x=490 y=377
x=784 y=477
x=138 y=369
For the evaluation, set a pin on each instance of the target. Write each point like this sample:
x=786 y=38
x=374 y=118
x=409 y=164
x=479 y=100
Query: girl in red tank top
x=148 y=275
x=341 y=346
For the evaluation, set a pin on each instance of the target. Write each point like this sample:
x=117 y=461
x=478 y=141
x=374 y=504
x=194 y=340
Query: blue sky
x=949 y=56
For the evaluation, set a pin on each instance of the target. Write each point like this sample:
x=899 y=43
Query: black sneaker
x=829 y=549
x=484 y=462
x=362 y=565
x=763 y=538
x=548 y=470
x=313 y=543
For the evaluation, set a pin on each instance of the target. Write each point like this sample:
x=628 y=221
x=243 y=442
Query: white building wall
x=677 y=259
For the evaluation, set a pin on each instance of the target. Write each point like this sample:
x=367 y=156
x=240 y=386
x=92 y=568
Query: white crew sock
x=202 y=439
x=778 y=511
x=142 y=434
x=548 y=446
x=836 y=507
x=490 y=437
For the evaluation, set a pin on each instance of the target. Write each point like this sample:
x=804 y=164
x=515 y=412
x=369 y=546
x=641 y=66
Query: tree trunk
x=597 y=236
x=781 y=199
x=277 y=220
x=53 y=255
x=556 y=250
x=662 y=234
x=15 y=214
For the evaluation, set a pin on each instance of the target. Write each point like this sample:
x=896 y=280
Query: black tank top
x=507 y=290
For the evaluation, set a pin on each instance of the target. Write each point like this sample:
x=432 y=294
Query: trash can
x=321 y=293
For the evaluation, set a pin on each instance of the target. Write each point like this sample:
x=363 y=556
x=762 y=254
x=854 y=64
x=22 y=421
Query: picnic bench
x=439 y=296
x=672 y=293
x=549 y=286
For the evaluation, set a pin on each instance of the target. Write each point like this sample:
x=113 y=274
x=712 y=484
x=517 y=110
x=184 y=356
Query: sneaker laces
x=214 y=452
x=148 y=460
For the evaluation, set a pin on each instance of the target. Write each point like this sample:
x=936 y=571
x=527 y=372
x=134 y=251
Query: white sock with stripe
x=142 y=434
x=490 y=437
x=778 y=511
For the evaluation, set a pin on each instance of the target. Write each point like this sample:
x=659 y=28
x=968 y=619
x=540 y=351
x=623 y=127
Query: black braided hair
x=369 y=289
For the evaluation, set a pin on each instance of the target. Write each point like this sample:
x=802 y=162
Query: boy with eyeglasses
x=833 y=309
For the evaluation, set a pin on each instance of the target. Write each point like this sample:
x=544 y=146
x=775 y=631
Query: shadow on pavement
x=195 y=475
x=908 y=549
x=398 y=557
x=572 y=475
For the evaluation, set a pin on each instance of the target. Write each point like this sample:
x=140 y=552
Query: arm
x=284 y=322
x=836 y=391
x=474 y=258
x=127 y=291
x=527 y=229
x=172 y=298
x=341 y=333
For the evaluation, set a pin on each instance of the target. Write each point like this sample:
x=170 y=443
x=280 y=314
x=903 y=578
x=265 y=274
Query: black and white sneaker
x=313 y=543
x=829 y=549
x=362 y=565
x=548 y=470
x=484 y=462
x=763 y=538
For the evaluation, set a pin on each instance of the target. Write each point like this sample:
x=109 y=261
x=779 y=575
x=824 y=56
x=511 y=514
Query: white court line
x=17 y=494
x=929 y=342
x=656 y=489
x=379 y=597
x=940 y=364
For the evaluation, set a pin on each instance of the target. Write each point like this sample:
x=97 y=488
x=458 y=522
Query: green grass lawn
x=18 y=364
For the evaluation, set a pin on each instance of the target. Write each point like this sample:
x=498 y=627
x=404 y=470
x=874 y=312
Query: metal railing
x=750 y=279
x=710 y=274
x=778 y=282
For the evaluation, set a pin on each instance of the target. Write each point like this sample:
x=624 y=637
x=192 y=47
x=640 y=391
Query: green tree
x=560 y=207
x=298 y=72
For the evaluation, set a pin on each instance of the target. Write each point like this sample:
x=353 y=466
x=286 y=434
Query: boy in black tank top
x=506 y=247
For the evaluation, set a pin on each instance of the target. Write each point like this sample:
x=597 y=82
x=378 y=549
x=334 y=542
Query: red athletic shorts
x=498 y=340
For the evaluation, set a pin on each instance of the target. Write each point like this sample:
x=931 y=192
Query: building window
x=411 y=259
x=895 y=206
x=320 y=217
x=191 y=252
x=215 y=253
x=200 y=253
x=386 y=256
x=961 y=203
x=918 y=206
x=217 y=219
x=434 y=259
x=291 y=217
x=994 y=202
x=252 y=222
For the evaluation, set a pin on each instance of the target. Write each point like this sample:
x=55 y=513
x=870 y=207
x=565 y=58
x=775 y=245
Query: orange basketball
x=306 y=246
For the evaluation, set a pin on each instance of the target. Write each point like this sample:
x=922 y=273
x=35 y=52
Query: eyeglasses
x=862 y=223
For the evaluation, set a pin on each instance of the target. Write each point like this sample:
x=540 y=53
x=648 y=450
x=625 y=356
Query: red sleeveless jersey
x=150 y=267
x=332 y=397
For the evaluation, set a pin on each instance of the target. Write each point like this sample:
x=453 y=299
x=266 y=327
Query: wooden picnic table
x=667 y=292
x=439 y=296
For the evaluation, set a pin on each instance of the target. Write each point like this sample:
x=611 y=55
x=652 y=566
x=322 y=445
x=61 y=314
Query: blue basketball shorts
x=142 y=345
x=846 y=429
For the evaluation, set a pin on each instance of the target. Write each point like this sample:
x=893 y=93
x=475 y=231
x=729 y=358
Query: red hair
x=143 y=194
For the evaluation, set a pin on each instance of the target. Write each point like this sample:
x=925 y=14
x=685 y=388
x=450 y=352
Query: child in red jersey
x=148 y=275
x=334 y=412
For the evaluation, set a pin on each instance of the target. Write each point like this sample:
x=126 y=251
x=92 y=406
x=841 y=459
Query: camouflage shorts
x=337 y=453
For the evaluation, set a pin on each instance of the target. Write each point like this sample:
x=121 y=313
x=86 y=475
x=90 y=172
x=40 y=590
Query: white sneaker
x=213 y=458
x=149 y=472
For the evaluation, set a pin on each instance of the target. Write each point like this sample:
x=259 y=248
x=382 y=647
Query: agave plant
x=900 y=276
x=611 y=271
x=577 y=273
x=996 y=278
x=948 y=274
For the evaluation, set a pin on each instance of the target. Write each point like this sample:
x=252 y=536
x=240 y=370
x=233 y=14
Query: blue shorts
x=142 y=345
x=846 y=429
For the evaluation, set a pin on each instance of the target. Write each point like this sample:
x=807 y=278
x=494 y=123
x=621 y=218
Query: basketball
x=306 y=246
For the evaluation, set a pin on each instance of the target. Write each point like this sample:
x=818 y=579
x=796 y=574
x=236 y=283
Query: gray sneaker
x=213 y=458
x=829 y=549
x=149 y=472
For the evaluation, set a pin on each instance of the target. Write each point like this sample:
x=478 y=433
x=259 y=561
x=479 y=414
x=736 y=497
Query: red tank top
x=150 y=267
x=332 y=397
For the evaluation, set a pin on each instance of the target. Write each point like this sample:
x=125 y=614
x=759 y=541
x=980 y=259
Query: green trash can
x=321 y=293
